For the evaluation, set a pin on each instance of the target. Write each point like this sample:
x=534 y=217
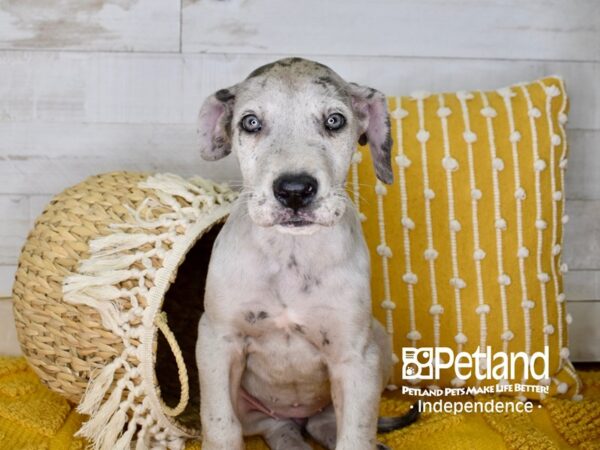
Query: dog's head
x=294 y=125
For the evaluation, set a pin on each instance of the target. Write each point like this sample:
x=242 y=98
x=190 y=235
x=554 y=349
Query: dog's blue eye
x=250 y=123
x=335 y=121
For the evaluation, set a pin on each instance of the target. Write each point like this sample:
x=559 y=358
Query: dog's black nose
x=295 y=190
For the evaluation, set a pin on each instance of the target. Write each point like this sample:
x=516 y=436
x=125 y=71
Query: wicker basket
x=107 y=263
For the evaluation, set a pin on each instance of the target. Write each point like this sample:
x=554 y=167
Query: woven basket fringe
x=98 y=427
x=124 y=442
x=120 y=242
x=92 y=400
x=96 y=284
x=95 y=264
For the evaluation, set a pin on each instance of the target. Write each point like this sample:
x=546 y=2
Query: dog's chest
x=285 y=328
x=307 y=299
x=293 y=299
x=272 y=288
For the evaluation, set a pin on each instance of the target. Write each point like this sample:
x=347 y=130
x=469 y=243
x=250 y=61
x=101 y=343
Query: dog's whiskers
x=342 y=192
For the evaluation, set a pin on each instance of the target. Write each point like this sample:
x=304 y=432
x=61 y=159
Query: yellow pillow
x=466 y=243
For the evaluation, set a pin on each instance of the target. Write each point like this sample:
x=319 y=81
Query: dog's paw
x=378 y=446
x=220 y=447
x=214 y=445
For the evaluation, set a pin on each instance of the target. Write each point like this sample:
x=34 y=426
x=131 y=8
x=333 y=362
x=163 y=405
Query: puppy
x=287 y=342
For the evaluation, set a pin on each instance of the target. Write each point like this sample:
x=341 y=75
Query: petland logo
x=426 y=363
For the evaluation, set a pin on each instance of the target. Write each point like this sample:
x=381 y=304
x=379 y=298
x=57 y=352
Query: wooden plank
x=582 y=235
x=91 y=87
x=14 y=210
x=45 y=158
x=510 y=29
x=7 y=276
x=9 y=345
x=160 y=88
x=115 y=25
x=582 y=285
x=584 y=332
x=37 y=204
x=584 y=165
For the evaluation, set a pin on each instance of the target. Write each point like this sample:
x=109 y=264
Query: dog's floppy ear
x=370 y=106
x=214 y=124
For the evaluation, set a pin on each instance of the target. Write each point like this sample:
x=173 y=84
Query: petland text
x=426 y=363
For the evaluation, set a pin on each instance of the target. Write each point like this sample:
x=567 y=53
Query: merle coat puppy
x=287 y=343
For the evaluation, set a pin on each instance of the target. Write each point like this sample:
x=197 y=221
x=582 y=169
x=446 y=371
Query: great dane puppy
x=287 y=342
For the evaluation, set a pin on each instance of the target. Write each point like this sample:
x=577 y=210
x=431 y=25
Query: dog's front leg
x=220 y=365
x=356 y=388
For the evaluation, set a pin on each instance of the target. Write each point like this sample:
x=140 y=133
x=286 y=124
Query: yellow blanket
x=34 y=418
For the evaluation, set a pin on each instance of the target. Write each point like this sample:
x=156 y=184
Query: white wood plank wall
x=91 y=86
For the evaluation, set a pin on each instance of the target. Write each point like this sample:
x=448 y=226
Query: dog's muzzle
x=295 y=191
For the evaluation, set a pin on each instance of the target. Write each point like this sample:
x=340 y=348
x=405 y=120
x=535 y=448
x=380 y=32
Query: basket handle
x=161 y=322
